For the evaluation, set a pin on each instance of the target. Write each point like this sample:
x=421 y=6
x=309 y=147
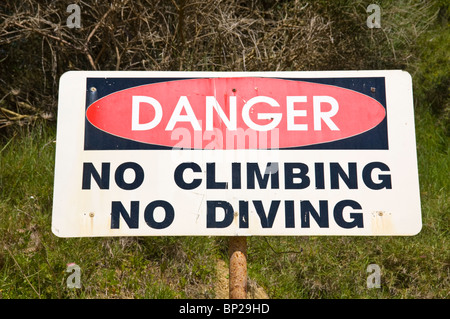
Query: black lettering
x=236 y=175
x=289 y=175
x=254 y=172
x=211 y=178
x=138 y=175
x=307 y=209
x=101 y=180
x=243 y=214
x=266 y=221
x=289 y=213
x=211 y=220
x=149 y=214
x=385 y=180
x=320 y=177
x=351 y=180
x=357 y=218
x=132 y=219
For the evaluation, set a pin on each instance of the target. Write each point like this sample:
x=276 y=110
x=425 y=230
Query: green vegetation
x=263 y=35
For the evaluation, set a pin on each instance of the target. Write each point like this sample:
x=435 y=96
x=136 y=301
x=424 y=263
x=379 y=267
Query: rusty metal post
x=238 y=267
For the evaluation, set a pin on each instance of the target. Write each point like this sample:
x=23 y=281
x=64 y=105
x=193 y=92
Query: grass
x=33 y=261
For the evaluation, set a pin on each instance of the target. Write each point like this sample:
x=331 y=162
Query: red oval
x=305 y=113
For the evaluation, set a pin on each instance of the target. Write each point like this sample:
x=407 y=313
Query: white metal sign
x=248 y=153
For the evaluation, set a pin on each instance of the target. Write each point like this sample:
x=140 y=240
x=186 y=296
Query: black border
x=374 y=139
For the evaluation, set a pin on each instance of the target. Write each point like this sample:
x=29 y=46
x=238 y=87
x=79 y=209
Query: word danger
x=220 y=213
x=184 y=106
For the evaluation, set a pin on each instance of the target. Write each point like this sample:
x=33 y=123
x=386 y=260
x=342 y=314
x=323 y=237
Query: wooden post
x=238 y=267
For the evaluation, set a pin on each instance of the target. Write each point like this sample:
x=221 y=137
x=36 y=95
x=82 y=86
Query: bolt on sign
x=236 y=154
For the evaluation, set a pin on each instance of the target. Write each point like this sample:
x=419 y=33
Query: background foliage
x=37 y=47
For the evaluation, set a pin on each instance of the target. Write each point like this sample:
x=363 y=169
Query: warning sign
x=254 y=153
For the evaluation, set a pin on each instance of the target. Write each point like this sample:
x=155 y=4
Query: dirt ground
x=254 y=291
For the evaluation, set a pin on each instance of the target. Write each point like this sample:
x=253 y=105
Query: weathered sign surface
x=248 y=153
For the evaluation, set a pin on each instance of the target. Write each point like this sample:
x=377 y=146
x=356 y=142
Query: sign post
x=329 y=153
x=238 y=267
